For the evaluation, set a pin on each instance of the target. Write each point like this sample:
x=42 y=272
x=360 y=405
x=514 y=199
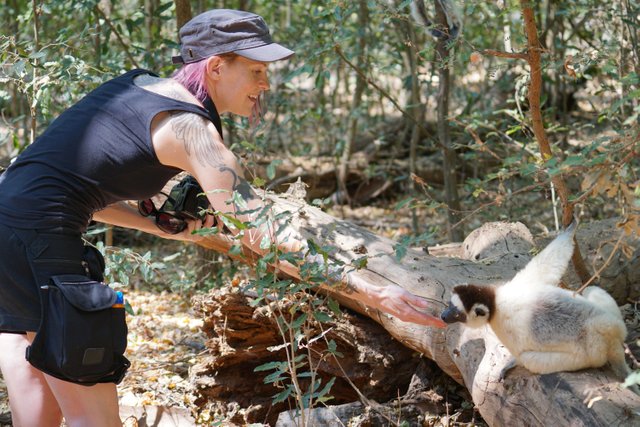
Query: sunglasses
x=165 y=221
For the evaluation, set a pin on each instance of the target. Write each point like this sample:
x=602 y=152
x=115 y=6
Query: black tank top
x=96 y=153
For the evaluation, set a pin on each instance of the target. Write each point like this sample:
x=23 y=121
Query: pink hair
x=192 y=76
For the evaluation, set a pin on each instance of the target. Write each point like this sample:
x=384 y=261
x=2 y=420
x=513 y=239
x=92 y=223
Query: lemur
x=546 y=328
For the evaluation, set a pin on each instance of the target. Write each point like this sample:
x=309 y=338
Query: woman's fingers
x=209 y=221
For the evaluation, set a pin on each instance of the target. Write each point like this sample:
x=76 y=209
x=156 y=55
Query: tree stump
x=243 y=337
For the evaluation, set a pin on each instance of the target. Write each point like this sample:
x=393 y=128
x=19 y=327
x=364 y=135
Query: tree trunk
x=352 y=126
x=537 y=124
x=417 y=109
x=35 y=16
x=450 y=159
x=243 y=337
x=183 y=12
x=472 y=357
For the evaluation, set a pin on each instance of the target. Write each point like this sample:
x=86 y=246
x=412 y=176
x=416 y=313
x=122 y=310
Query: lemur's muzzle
x=452 y=315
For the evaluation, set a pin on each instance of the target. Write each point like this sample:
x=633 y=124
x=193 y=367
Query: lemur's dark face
x=454 y=312
x=470 y=304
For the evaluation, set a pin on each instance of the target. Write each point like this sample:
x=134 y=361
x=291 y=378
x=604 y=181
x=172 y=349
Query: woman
x=124 y=141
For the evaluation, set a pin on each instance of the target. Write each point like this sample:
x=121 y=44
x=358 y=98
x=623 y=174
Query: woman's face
x=237 y=85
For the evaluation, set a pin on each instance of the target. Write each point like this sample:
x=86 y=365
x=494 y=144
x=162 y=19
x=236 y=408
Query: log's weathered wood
x=472 y=357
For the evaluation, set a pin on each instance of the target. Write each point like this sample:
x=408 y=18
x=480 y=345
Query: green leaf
x=232 y=222
x=573 y=161
x=265 y=243
x=334 y=307
x=128 y=308
x=268 y=366
x=403 y=203
x=271 y=168
x=299 y=321
x=283 y=395
x=162 y=8
x=258 y=182
x=274 y=377
x=325 y=389
x=361 y=262
x=322 y=317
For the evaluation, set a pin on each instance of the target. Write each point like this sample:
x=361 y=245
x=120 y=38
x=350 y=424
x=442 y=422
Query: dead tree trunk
x=472 y=357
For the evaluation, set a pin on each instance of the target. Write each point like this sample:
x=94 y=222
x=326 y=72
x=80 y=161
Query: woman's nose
x=264 y=84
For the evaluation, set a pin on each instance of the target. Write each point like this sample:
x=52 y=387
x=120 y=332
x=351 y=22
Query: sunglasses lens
x=146 y=207
x=170 y=224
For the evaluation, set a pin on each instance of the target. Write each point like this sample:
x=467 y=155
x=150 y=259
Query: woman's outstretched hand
x=396 y=301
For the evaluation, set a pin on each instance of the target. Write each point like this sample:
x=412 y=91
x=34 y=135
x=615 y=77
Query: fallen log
x=472 y=357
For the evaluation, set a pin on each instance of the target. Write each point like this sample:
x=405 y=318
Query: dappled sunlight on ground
x=164 y=339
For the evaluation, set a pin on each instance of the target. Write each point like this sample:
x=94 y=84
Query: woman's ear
x=214 y=67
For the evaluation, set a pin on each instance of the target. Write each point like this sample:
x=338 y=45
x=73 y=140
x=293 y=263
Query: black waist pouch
x=83 y=332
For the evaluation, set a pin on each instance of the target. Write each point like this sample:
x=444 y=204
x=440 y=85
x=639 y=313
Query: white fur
x=549 y=265
x=549 y=329
x=588 y=340
x=456 y=302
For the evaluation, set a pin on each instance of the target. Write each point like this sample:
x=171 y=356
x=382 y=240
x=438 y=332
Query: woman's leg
x=36 y=399
x=30 y=398
x=85 y=406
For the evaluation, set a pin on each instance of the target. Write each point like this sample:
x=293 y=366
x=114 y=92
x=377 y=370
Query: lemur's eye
x=480 y=312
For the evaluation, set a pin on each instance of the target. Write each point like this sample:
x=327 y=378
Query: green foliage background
x=54 y=52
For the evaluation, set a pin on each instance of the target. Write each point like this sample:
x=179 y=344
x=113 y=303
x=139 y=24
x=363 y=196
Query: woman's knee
x=30 y=398
x=95 y=406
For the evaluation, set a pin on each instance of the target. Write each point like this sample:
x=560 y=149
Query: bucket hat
x=221 y=31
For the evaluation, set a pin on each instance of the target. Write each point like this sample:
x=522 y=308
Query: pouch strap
x=34 y=245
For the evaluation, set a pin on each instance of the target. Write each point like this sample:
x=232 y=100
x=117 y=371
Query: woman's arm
x=123 y=215
x=191 y=143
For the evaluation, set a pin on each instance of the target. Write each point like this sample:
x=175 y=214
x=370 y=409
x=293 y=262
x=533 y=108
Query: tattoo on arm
x=197 y=139
x=240 y=185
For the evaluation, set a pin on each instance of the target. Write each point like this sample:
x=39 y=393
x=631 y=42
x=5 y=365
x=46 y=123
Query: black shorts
x=28 y=259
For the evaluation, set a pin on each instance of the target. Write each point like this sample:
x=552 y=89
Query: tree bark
x=243 y=337
x=472 y=357
x=35 y=15
x=450 y=159
x=537 y=124
x=352 y=127
x=183 y=12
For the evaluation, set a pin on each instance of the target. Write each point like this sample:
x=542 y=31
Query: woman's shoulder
x=165 y=87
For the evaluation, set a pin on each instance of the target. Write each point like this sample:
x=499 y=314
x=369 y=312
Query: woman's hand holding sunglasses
x=176 y=227
x=193 y=225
